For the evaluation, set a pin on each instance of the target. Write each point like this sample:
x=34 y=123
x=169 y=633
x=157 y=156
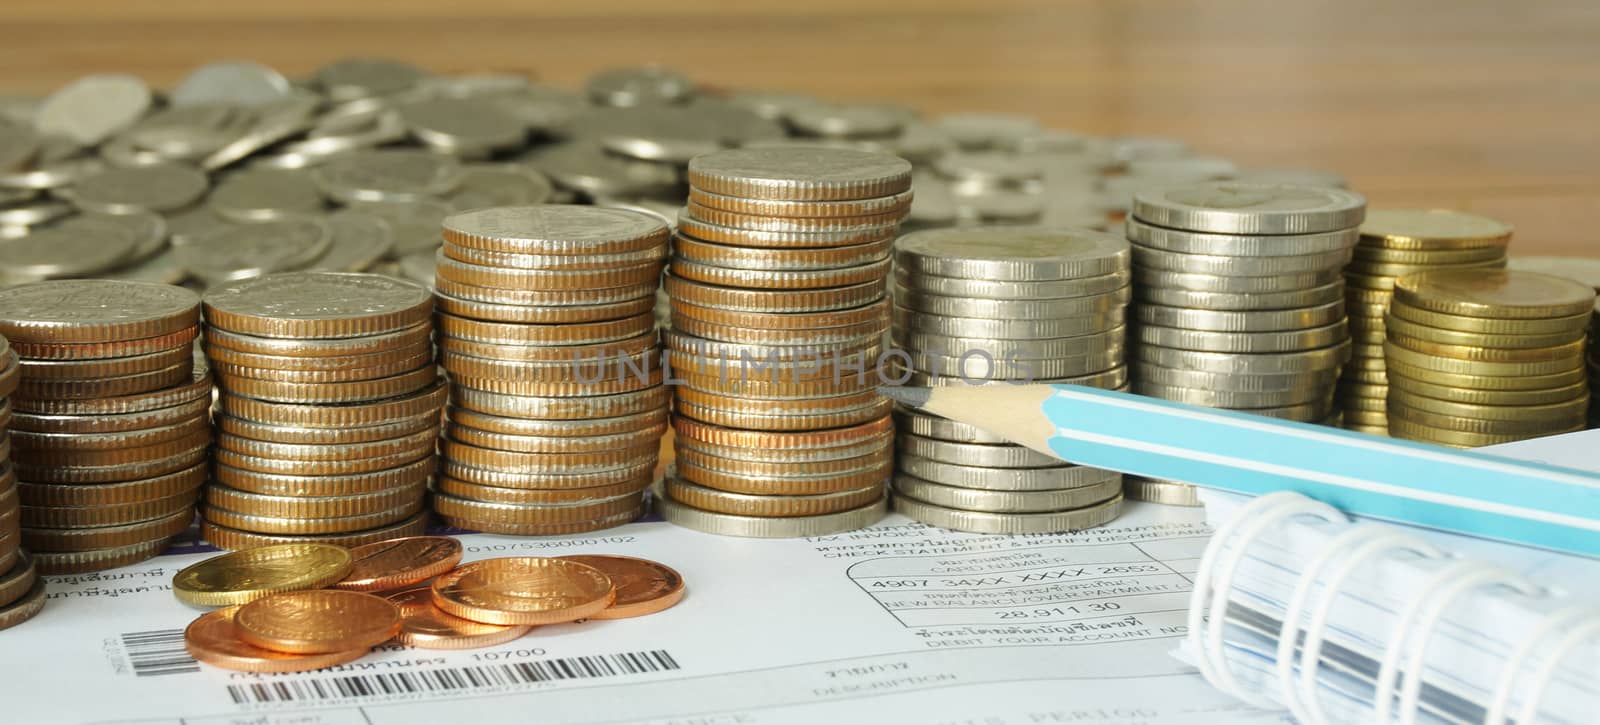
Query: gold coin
x=780 y=279
x=406 y=445
x=1564 y=410
x=1377 y=430
x=241 y=428
x=324 y=364
x=1386 y=255
x=319 y=347
x=24 y=608
x=873 y=461
x=774 y=300
x=1399 y=412
x=643 y=586
x=113 y=494
x=106 y=537
x=1556 y=365
x=497 y=494
x=1494 y=325
x=71 y=517
x=41 y=370
x=524 y=314
x=689 y=353
x=364 y=391
x=792 y=456
x=428 y=401
x=101 y=350
x=312 y=507
x=298 y=305
x=78 y=562
x=1369 y=296
x=518 y=279
x=557 y=428
x=317 y=621
x=111 y=423
x=245 y=576
x=1478 y=353
x=738 y=438
x=742 y=504
x=1366 y=417
x=1400 y=428
x=1477 y=381
x=772 y=406
x=510 y=529
x=122 y=386
x=524 y=590
x=225 y=538
x=213 y=639
x=64 y=443
x=570 y=354
x=1429 y=229
x=288 y=484
x=1488 y=397
x=732 y=257
x=425 y=626
x=293 y=526
x=629 y=471
x=400 y=562
x=1385 y=269
x=1441 y=336
x=1371 y=405
x=1505 y=294
x=740 y=384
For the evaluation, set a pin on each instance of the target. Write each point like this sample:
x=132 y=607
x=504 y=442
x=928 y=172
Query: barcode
x=157 y=652
x=454 y=679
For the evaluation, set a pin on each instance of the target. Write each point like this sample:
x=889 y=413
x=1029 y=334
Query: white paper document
x=898 y=623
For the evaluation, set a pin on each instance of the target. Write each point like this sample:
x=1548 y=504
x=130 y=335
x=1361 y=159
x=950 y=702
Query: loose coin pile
x=778 y=313
x=110 y=431
x=21 y=589
x=1239 y=301
x=1014 y=304
x=297 y=607
x=1395 y=243
x=548 y=331
x=328 y=410
x=1483 y=356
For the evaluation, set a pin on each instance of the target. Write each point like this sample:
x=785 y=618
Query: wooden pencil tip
x=914 y=397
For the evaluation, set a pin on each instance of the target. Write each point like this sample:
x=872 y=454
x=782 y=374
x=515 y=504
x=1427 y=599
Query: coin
x=1428 y=229
x=1492 y=325
x=361 y=391
x=248 y=575
x=771 y=527
x=46 y=540
x=1013 y=289
x=1479 y=381
x=18 y=580
x=1240 y=321
x=1010 y=523
x=1550 y=366
x=1272 y=245
x=1242 y=301
x=317 y=621
x=1234 y=208
x=1006 y=329
x=241 y=428
x=113 y=494
x=1416 y=331
x=861 y=490
x=24 y=608
x=213 y=639
x=230 y=253
x=1482 y=353
x=427 y=401
x=1171 y=493
x=1243 y=342
x=375 y=503
x=226 y=538
x=298 y=525
x=417 y=335
x=1011 y=253
x=1232 y=284
x=523 y=590
x=1486 y=397
x=642 y=586
x=317 y=305
x=424 y=625
x=289 y=484
x=91 y=311
x=1326 y=358
x=977 y=499
x=1495 y=294
x=790 y=174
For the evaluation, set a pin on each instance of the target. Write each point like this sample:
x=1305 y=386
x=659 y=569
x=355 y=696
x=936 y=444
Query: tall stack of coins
x=778 y=315
x=1020 y=304
x=1394 y=243
x=21 y=589
x=1239 y=299
x=110 y=430
x=1478 y=357
x=328 y=412
x=547 y=329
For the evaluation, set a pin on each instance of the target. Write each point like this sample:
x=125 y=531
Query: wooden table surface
x=1486 y=106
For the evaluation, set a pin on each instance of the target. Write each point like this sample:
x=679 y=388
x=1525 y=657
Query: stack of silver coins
x=1240 y=299
x=778 y=316
x=1015 y=304
x=548 y=332
x=21 y=589
x=110 y=433
x=328 y=412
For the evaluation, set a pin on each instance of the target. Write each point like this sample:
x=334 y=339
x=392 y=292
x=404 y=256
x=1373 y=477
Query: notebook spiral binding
x=1403 y=656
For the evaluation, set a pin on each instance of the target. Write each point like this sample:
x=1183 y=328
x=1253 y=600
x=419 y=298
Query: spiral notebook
x=1498 y=633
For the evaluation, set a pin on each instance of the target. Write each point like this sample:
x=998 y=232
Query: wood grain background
x=1487 y=106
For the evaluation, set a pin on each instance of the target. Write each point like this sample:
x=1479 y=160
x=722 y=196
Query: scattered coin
x=245 y=576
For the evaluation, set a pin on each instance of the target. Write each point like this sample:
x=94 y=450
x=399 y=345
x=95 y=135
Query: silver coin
x=1012 y=253
x=491 y=185
x=978 y=131
x=466 y=127
x=788 y=455
x=157 y=188
x=977 y=171
x=162 y=268
x=1240 y=300
x=1010 y=309
x=1110 y=342
x=931 y=426
x=149 y=231
x=274 y=122
x=264 y=194
x=240 y=252
x=1013 y=290
x=1024 y=523
x=185 y=133
x=585 y=167
x=805 y=173
x=1235 y=208
x=845 y=121
x=1243 y=342
x=1240 y=320
x=354 y=78
x=1171 y=493
x=1235 y=382
x=92 y=108
x=1234 y=245
x=974 y=454
x=1229 y=399
x=672 y=134
x=234 y=83
x=1061 y=476
x=784 y=527
x=73 y=248
x=978 y=499
x=27 y=214
x=921 y=143
x=1114 y=379
x=911 y=321
x=987 y=366
x=413 y=225
x=184 y=224
x=1327 y=358
x=1238 y=266
x=388 y=175
x=19 y=146
x=643 y=86
x=1144 y=276
x=359 y=241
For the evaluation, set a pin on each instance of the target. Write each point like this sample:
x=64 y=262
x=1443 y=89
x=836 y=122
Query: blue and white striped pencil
x=1459 y=491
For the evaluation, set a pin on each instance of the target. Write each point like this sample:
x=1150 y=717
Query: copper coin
x=546 y=481
x=556 y=444
x=545 y=463
x=214 y=640
x=400 y=562
x=787 y=505
x=68 y=442
x=78 y=562
x=107 y=537
x=774 y=300
x=556 y=428
x=234 y=539
x=105 y=367
x=327 y=363
x=425 y=626
x=121 y=386
x=111 y=423
x=770 y=223
x=311 y=507
x=87 y=517
x=198 y=387
x=497 y=312
x=516 y=279
x=871 y=312
x=317 y=621
x=545 y=297
x=17 y=580
x=734 y=437
x=25 y=608
x=102 y=350
x=54 y=456
x=520 y=514
x=509 y=333
x=379 y=412
x=785 y=279
x=627 y=382
x=567 y=529
x=344 y=467
x=729 y=256
x=402 y=445
x=363 y=391
x=561 y=407
x=499 y=494
x=518 y=260
x=111 y=473
x=643 y=586
x=524 y=590
x=290 y=526
x=300 y=435
x=290 y=484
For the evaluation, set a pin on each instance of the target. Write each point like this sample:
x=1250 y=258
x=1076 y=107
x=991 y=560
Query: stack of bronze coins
x=1394 y=243
x=21 y=589
x=547 y=329
x=778 y=314
x=1484 y=356
x=329 y=409
x=110 y=430
x=1015 y=304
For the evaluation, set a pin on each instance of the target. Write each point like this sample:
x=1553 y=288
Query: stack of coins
x=21 y=589
x=778 y=315
x=1394 y=243
x=1479 y=357
x=547 y=329
x=1018 y=304
x=1239 y=301
x=328 y=412
x=110 y=431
